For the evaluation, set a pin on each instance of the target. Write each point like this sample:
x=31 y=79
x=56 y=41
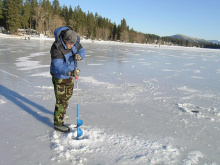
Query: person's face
x=68 y=45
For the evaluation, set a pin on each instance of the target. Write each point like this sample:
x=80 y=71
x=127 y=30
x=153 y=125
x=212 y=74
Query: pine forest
x=43 y=17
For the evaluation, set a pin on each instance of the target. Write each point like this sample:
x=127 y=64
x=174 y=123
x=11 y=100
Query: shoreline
x=9 y=36
x=22 y=37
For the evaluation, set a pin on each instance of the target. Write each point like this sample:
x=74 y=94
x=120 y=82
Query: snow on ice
x=140 y=104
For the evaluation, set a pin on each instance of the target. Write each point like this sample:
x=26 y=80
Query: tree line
x=45 y=16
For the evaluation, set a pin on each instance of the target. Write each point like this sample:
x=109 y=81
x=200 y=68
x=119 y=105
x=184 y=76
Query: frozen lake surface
x=140 y=104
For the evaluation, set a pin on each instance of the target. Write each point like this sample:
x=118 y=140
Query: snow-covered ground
x=140 y=104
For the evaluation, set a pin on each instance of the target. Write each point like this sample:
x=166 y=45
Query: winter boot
x=62 y=128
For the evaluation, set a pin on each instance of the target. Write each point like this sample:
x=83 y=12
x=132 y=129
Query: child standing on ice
x=65 y=52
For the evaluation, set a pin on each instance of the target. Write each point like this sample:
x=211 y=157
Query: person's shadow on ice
x=22 y=102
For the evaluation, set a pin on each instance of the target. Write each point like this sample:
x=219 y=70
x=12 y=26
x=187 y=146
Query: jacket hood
x=57 y=35
x=58 y=38
x=58 y=31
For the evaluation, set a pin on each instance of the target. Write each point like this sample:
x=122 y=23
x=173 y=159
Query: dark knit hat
x=70 y=36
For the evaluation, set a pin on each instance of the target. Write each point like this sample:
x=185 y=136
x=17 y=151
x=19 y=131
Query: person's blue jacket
x=62 y=58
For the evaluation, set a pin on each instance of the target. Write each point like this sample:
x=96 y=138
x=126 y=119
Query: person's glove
x=78 y=57
x=74 y=73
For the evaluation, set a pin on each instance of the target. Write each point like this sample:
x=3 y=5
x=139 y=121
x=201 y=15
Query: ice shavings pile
x=193 y=158
x=118 y=148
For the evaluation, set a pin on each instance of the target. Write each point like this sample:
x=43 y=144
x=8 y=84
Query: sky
x=194 y=18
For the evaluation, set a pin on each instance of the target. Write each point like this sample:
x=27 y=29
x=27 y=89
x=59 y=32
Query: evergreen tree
x=111 y=29
x=46 y=5
x=12 y=15
x=114 y=32
x=3 y=19
x=32 y=21
x=70 y=20
x=99 y=22
x=64 y=13
x=124 y=25
x=1 y=9
x=118 y=32
x=124 y=35
x=132 y=35
x=187 y=43
x=80 y=21
x=84 y=24
x=56 y=7
x=1 y=13
x=90 y=25
x=26 y=14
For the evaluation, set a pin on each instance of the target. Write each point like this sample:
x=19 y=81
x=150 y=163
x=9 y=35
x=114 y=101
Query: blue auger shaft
x=77 y=107
x=79 y=122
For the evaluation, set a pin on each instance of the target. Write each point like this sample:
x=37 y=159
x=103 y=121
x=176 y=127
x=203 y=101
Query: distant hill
x=214 y=41
x=190 y=39
x=184 y=40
